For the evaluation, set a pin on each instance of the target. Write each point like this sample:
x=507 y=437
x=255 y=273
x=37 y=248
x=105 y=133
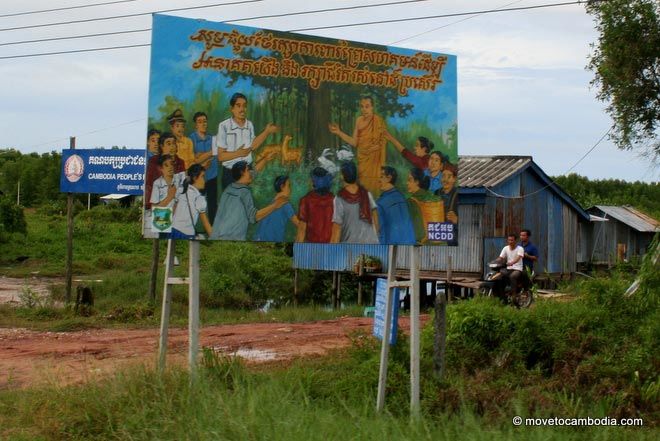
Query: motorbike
x=497 y=285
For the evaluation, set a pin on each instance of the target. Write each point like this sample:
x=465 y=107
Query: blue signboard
x=379 y=316
x=103 y=171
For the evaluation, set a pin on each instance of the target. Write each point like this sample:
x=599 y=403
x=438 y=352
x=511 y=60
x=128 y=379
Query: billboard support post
x=413 y=285
x=69 y=236
x=167 y=302
x=414 y=331
x=193 y=304
x=385 y=347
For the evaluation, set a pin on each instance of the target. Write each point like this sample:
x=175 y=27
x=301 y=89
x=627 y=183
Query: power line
x=66 y=8
x=552 y=181
x=448 y=24
x=42 y=40
x=75 y=51
x=429 y=17
x=345 y=8
x=139 y=14
x=317 y=11
x=91 y=133
x=294 y=30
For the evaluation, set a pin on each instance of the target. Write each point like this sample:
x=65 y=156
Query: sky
x=522 y=84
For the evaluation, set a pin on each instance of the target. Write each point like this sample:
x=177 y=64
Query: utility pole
x=69 y=236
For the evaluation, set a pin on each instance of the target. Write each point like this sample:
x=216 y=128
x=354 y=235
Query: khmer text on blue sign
x=103 y=171
x=379 y=316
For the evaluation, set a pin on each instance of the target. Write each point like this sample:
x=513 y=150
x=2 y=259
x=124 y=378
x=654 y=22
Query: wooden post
x=338 y=291
x=155 y=257
x=439 y=334
x=334 y=290
x=414 y=332
x=450 y=294
x=359 y=299
x=193 y=307
x=295 y=287
x=385 y=346
x=69 y=237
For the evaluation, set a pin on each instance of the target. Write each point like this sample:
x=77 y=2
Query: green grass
x=229 y=402
x=595 y=356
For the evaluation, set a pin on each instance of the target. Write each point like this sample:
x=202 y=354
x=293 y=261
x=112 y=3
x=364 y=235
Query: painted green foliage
x=626 y=64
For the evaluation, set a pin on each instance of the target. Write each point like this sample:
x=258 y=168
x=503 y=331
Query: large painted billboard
x=261 y=135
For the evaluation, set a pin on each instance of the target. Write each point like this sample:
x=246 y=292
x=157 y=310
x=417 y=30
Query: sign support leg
x=167 y=301
x=193 y=306
x=385 y=347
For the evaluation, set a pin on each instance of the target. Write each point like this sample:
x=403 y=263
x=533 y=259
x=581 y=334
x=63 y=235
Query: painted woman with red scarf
x=354 y=218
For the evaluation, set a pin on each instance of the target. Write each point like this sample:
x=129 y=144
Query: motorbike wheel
x=524 y=299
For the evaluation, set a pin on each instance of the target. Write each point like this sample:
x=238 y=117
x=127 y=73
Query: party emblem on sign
x=74 y=168
x=162 y=219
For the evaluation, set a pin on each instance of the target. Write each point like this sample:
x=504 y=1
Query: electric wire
x=91 y=132
x=430 y=17
x=447 y=25
x=552 y=182
x=42 y=40
x=65 y=8
x=77 y=51
x=297 y=30
x=137 y=14
x=317 y=11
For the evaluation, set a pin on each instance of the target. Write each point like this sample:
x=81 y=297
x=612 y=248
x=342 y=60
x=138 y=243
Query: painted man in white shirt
x=513 y=254
x=236 y=141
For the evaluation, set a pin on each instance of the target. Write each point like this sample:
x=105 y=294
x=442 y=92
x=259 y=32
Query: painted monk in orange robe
x=369 y=140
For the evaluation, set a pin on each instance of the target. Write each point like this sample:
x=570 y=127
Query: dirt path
x=29 y=357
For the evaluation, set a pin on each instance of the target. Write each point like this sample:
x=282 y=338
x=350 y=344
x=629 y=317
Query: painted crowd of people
x=205 y=182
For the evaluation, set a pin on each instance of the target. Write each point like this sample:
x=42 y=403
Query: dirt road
x=29 y=358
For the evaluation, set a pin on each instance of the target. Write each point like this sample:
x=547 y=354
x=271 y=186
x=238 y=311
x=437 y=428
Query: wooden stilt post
x=295 y=287
x=338 y=291
x=334 y=290
x=439 y=333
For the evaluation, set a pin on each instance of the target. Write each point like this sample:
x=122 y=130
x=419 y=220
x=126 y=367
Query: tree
x=626 y=64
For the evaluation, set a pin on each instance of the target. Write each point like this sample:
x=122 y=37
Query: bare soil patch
x=28 y=357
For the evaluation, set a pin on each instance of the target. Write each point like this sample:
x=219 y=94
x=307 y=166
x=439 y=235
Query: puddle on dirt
x=247 y=354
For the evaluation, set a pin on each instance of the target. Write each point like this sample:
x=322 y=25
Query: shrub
x=12 y=219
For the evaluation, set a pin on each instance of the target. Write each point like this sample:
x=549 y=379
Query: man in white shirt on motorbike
x=513 y=254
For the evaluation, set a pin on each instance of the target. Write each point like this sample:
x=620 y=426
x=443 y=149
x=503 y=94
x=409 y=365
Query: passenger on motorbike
x=531 y=253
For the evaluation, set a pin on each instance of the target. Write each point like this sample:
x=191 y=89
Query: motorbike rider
x=513 y=255
x=531 y=252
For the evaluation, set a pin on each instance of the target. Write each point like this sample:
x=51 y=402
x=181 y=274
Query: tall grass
x=227 y=402
x=595 y=356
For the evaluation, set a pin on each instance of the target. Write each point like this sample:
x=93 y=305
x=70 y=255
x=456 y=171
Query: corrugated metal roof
x=488 y=171
x=631 y=217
